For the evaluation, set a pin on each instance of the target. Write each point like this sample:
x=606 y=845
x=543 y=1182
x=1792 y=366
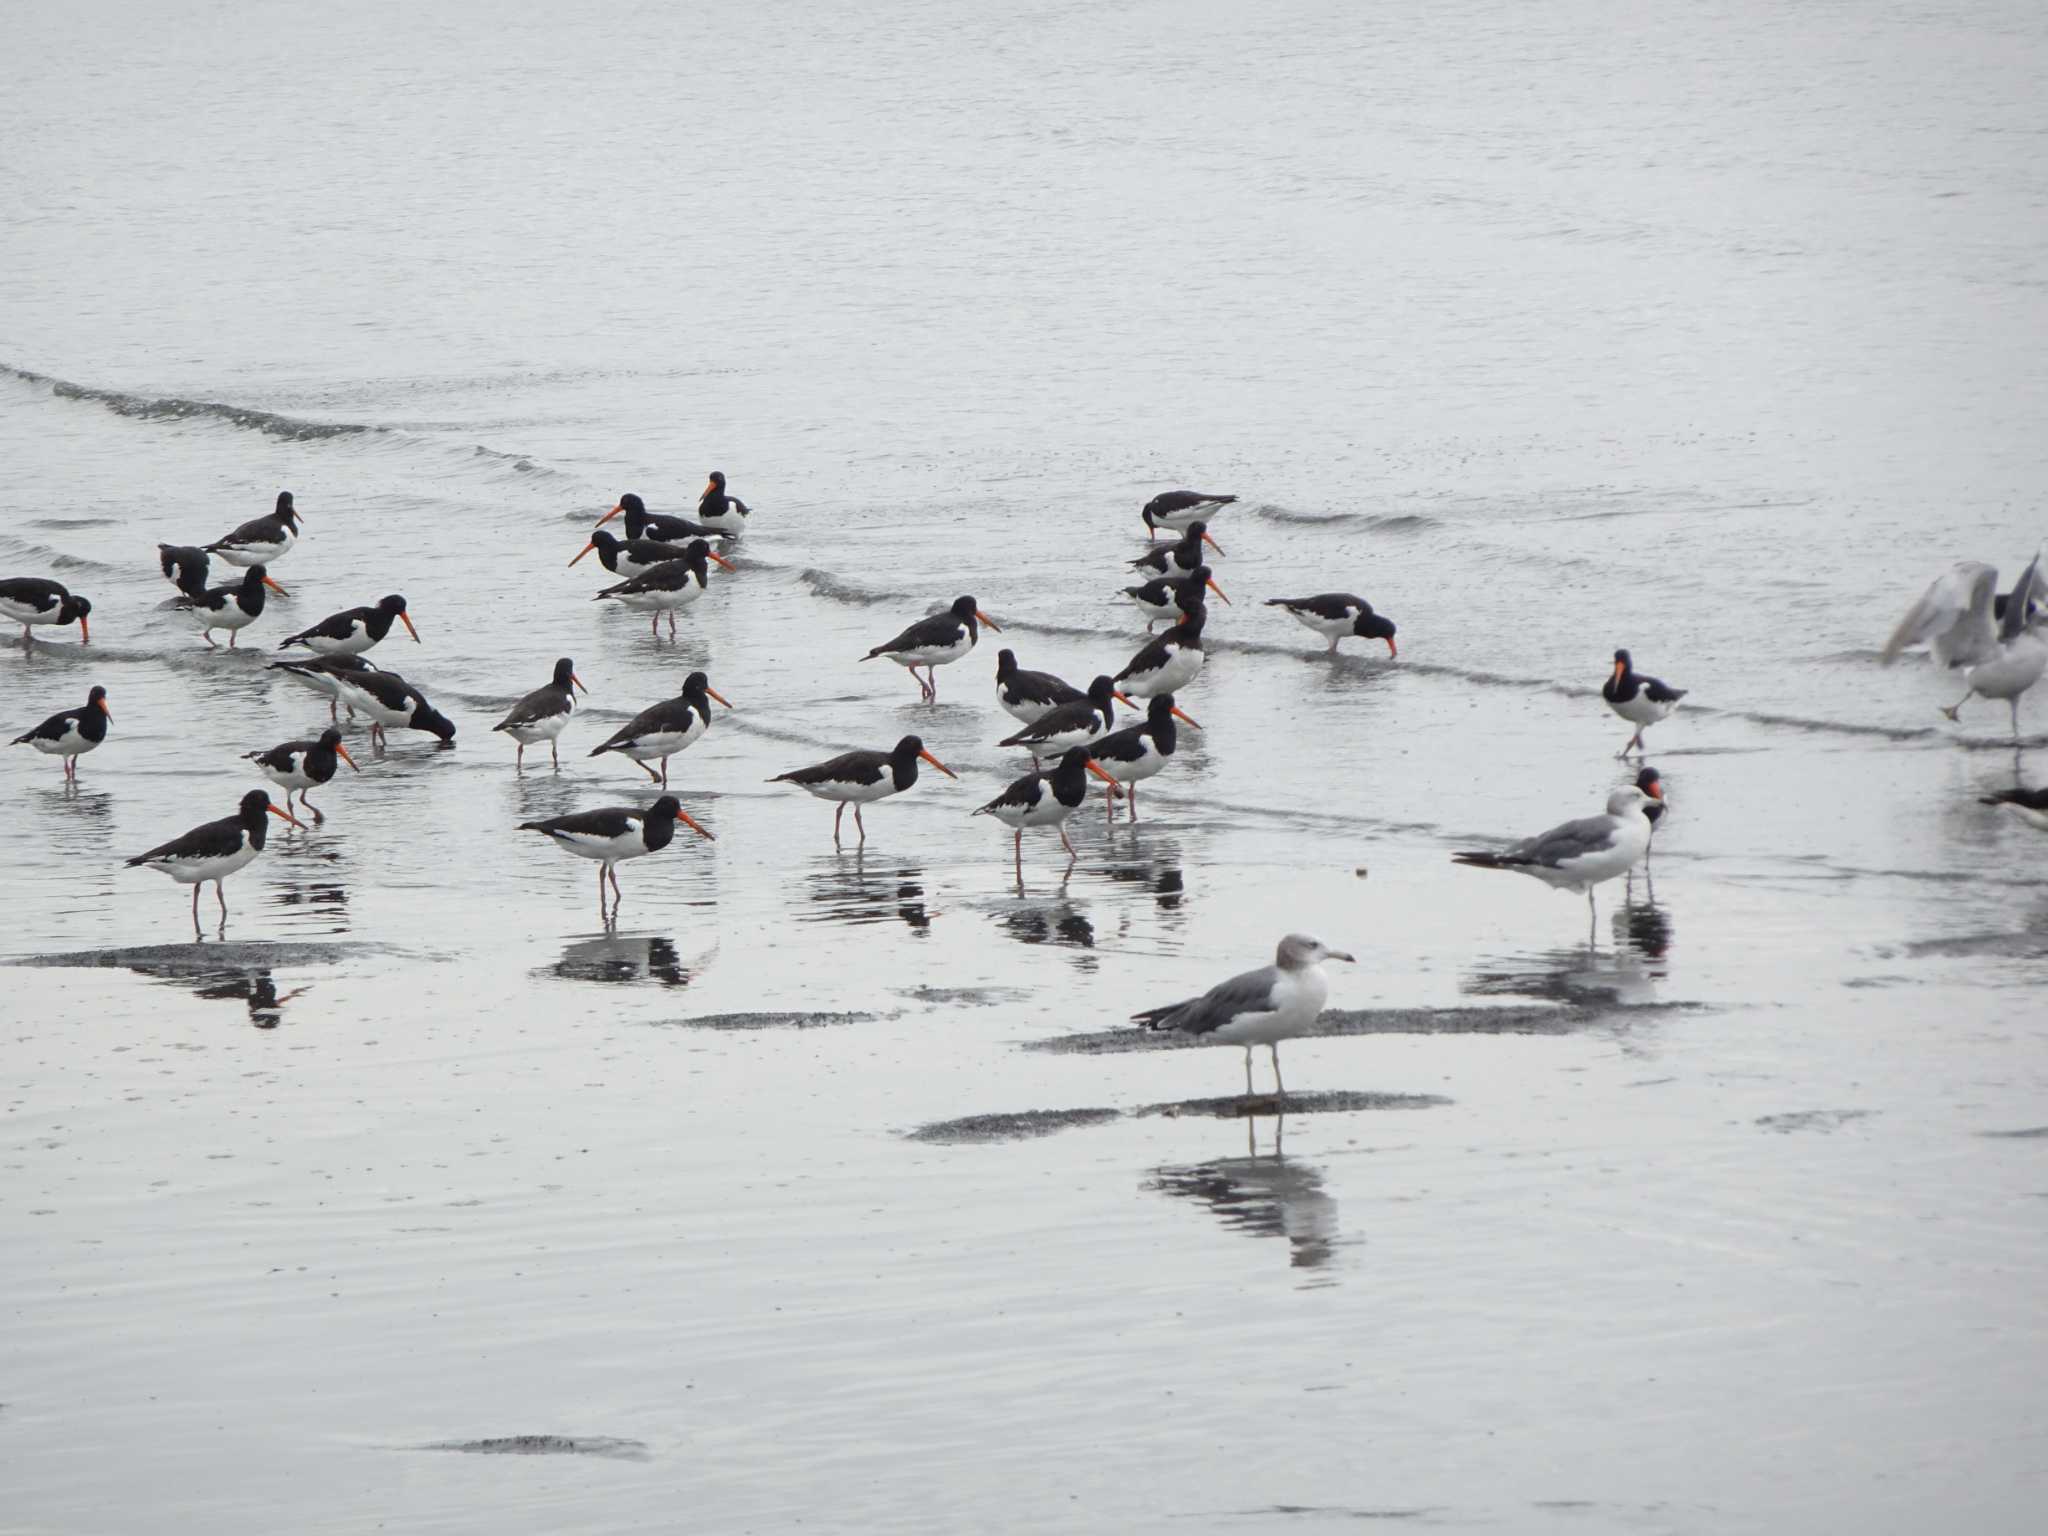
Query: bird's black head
x=695 y=684
x=1194 y=534
x=565 y=671
x=1621 y=659
x=96 y=697
x=73 y=607
x=604 y=541
x=254 y=807
x=964 y=607
x=630 y=502
x=330 y=739
x=718 y=478
x=429 y=719
x=1647 y=779
x=1074 y=759
x=1006 y=664
x=1102 y=692
x=284 y=503
x=664 y=809
x=393 y=605
x=1160 y=710
x=907 y=748
x=1374 y=626
x=1199 y=576
x=252 y=578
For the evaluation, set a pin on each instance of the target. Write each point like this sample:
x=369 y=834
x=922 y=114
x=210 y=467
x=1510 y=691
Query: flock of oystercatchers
x=663 y=565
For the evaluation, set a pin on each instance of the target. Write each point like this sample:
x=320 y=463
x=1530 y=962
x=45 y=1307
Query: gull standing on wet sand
x=934 y=642
x=1276 y=1002
x=1578 y=855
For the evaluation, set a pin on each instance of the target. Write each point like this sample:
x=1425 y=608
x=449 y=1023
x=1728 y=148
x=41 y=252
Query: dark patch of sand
x=1029 y=1124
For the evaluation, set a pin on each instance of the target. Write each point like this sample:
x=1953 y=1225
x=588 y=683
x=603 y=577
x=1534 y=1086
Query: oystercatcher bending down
x=217 y=849
x=1175 y=510
x=1333 y=615
x=354 y=630
x=32 y=600
x=616 y=833
x=71 y=733
x=664 y=729
x=184 y=567
x=392 y=704
x=323 y=674
x=1276 y=1002
x=541 y=715
x=935 y=641
x=1640 y=700
x=1046 y=800
x=303 y=765
x=1026 y=696
x=861 y=778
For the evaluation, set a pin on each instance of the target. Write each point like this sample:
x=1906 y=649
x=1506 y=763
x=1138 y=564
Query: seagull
x=1046 y=800
x=217 y=849
x=37 y=600
x=1070 y=725
x=354 y=630
x=670 y=585
x=1581 y=854
x=71 y=733
x=1640 y=700
x=1958 y=616
x=1176 y=510
x=1169 y=597
x=233 y=607
x=1170 y=662
x=1333 y=615
x=1028 y=696
x=1178 y=558
x=663 y=729
x=2030 y=805
x=541 y=715
x=303 y=765
x=935 y=641
x=2001 y=663
x=861 y=778
x=616 y=833
x=718 y=509
x=1263 y=1007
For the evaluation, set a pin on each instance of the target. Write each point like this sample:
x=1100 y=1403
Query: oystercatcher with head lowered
x=1026 y=696
x=664 y=729
x=861 y=778
x=354 y=630
x=1046 y=800
x=718 y=508
x=935 y=641
x=616 y=833
x=1276 y=1002
x=541 y=715
x=1169 y=598
x=217 y=849
x=1179 y=558
x=232 y=608
x=1137 y=752
x=1177 y=510
x=184 y=567
x=323 y=674
x=1578 y=855
x=2030 y=805
x=1169 y=663
x=1640 y=700
x=303 y=765
x=262 y=540
x=643 y=524
x=392 y=704
x=1070 y=725
x=32 y=600
x=71 y=733
x=629 y=557
x=1333 y=615
x=670 y=585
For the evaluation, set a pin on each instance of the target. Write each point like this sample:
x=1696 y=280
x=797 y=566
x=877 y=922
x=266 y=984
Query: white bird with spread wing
x=1996 y=640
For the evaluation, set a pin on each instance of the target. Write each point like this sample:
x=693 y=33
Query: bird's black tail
x=1486 y=860
x=1158 y=1018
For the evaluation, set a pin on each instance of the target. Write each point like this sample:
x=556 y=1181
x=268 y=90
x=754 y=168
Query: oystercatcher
x=1168 y=597
x=629 y=557
x=323 y=674
x=1137 y=752
x=30 y=600
x=1176 y=510
x=354 y=630
x=664 y=729
x=2030 y=805
x=392 y=704
x=1276 y=1002
x=232 y=608
x=1026 y=696
x=1333 y=615
x=1169 y=663
x=935 y=641
x=541 y=715
x=303 y=765
x=217 y=849
x=616 y=833
x=718 y=509
x=1579 y=855
x=184 y=567
x=71 y=733
x=670 y=585
x=261 y=540
x=1046 y=800
x=1070 y=725
x=861 y=778
x=643 y=524
x=1178 y=558
x=1640 y=700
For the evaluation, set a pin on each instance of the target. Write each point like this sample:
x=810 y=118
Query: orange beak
x=694 y=825
x=615 y=511
x=1096 y=769
x=579 y=683
x=586 y=549
x=84 y=631
x=714 y=554
x=1211 y=542
x=406 y=620
x=1218 y=591
x=1617 y=669
x=342 y=752
x=275 y=587
x=949 y=773
x=709 y=487
x=1125 y=699
x=1390 y=647
x=106 y=711
x=283 y=815
x=1655 y=791
x=1183 y=716
x=718 y=696
x=991 y=623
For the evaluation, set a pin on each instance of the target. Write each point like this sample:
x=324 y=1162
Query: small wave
x=43 y=558
x=65 y=524
x=832 y=589
x=176 y=408
x=1379 y=522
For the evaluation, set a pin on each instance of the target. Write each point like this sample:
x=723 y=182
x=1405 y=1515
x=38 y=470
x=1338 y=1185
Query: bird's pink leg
x=836 y=815
x=859 y=825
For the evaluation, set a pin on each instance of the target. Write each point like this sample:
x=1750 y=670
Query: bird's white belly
x=2026 y=813
x=546 y=728
x=855 y=794
x=375 y=708
x=1642 y=709
x=1182 y=668
x=1024 y=711
x=357 y=641
x=22 y=613
x=1166 y=610
x=932 y=655
x=2016 y=668
x=661 y=743
x=606 y=850
x=191 y=871
x=725 y=522
x=1297 y=1000
x=1327 y=628
x=294 y=777
x=1581 y=874
x=1046 y=811
x=246 y=555
x=1136 y=770
x=228 y=615
x=70 y=744
x=663 y=598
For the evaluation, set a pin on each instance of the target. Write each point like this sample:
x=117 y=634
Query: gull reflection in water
x=1626 y=975
x=624 y=959
x=1262 y=1195
x=847 y=889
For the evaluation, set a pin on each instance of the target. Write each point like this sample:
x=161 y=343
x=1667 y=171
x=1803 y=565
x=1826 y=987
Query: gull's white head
x=1628 y=798
x=1298 y=951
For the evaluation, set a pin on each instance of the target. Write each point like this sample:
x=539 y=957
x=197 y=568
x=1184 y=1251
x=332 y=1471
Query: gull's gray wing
x=1954 y=614
x=1250 y=993
x=2026 y=592
x=1589 y=834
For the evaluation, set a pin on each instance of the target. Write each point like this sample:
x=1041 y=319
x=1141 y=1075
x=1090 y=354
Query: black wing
x=1324 y=605
x=34 y=591
x=215 y=840
x=541 y=704
x=335 y=626
x=846 y=768
x=1657 y=691
x=1022 y=793
x=610 y=821
x=939 y=629
x=53 y=729
x=1066 y=717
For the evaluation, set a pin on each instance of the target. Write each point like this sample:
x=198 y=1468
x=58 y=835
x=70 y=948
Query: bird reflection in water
x=848 y=890
x=624 y=958
x=257 y=989
x=1262 y=1195
x=1627 y=975
x=1151 y=867
x=1059 y=922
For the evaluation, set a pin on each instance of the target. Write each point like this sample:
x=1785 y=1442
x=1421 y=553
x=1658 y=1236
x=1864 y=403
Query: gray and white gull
x=1995 y=640
x=1578 y=855
x=1263 y=1007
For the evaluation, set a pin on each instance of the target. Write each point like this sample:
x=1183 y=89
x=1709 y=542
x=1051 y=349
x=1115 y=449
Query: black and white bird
x=354 y=630
x=670 y=585
x=392 y=704
x=1333 y=615
x=1276 y=1002
x=262 y=540
x=1170 y=662
x=71 y=733
x=863 y=777
x=1026 y=696
x=1651 y=783
x=1070 y=725
x=1175 y=510
x=1137 y=752
x=1579 y=855
x=1996 y=641
x=33 y=600
x=1180 y=557
x=1640 y=700
x=217 y=849
x=662 y=730
x=1046 y=800
x=541 y=715
x=2030 y=805
x=299 y=766
x=643 y=524
x=184 y=567
x=718 y=508
x=629 y=557
x=323 y=674
x=934 y=642
x=1169 y=597
x=615 y=834
x=233 y=607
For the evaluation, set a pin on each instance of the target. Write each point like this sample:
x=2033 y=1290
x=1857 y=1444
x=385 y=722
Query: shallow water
x=826 y=1187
